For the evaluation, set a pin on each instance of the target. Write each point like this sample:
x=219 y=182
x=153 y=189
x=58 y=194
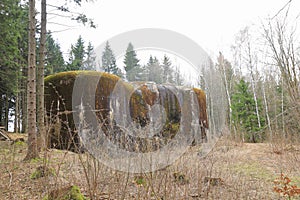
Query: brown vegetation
x=230 y=171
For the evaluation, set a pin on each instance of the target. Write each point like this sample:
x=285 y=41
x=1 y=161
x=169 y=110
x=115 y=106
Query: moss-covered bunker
x=58 y=101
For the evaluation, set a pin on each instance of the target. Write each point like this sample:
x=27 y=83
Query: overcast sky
x=210 y=23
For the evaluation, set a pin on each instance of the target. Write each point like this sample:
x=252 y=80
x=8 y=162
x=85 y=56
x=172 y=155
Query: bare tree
x=251 y=67
x=249 y=59
x=226 y=72
x=281 y=39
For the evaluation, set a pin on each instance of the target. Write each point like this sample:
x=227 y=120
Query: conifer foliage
x=108 y=60
x=132 y=66
x=244 y=112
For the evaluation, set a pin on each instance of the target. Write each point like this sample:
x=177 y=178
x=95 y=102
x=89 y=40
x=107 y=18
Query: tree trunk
x=256 y=103
x=222 y=65
x=6 y=112
x=19 y=109
x=267 y=110
x=253 y=85
x=40 y=79
x=282 y=108
x=32 y=151
x=16 y=121
x=251 y=64
x=24 y=100
x=1 y=111
x=17 y=105
x=282 y=41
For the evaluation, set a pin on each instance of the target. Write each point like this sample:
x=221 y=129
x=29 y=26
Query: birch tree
x=284 y=48
x=227 y=74
x=248 y=59
x=267 y=109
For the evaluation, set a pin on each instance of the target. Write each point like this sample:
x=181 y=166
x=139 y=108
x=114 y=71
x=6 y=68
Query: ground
x=230 y=171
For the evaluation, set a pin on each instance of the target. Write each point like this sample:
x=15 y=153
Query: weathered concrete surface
x=58 y=101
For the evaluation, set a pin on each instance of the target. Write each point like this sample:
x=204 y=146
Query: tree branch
x=281 y=9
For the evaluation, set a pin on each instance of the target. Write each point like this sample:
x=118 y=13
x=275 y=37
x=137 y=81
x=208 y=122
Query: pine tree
x=109 y=61
x=132 y=67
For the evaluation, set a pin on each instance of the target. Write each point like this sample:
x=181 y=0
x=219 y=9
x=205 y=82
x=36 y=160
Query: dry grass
x=230 y=171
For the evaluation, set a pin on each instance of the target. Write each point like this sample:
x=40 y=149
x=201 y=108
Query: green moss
x=139 y=180
x=42 y=171
x=105 y=87
x=149 y=96
x=19 y=143
x=58 y=91
x=36 y=175
x=61 y=75
x=36 y=160
x=175 y=127
x=138 y=108
x=68 y=193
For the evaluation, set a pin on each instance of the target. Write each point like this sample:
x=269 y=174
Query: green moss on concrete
x=58 y=91
x=139 y=108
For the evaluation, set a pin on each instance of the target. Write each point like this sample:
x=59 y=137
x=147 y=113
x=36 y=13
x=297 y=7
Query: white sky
x=210 y=23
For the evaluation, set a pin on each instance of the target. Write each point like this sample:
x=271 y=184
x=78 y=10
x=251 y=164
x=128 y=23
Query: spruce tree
x=77 y=55
x=89 y=63
x=13 y=54
x=54 y=57
x=109 y=61
x=132 y=67
x=244 y=111
x=32 y=148
x=178 y=79
x=167 y=70
x=155 y=72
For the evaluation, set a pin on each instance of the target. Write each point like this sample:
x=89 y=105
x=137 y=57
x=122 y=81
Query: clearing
x=230 y=171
